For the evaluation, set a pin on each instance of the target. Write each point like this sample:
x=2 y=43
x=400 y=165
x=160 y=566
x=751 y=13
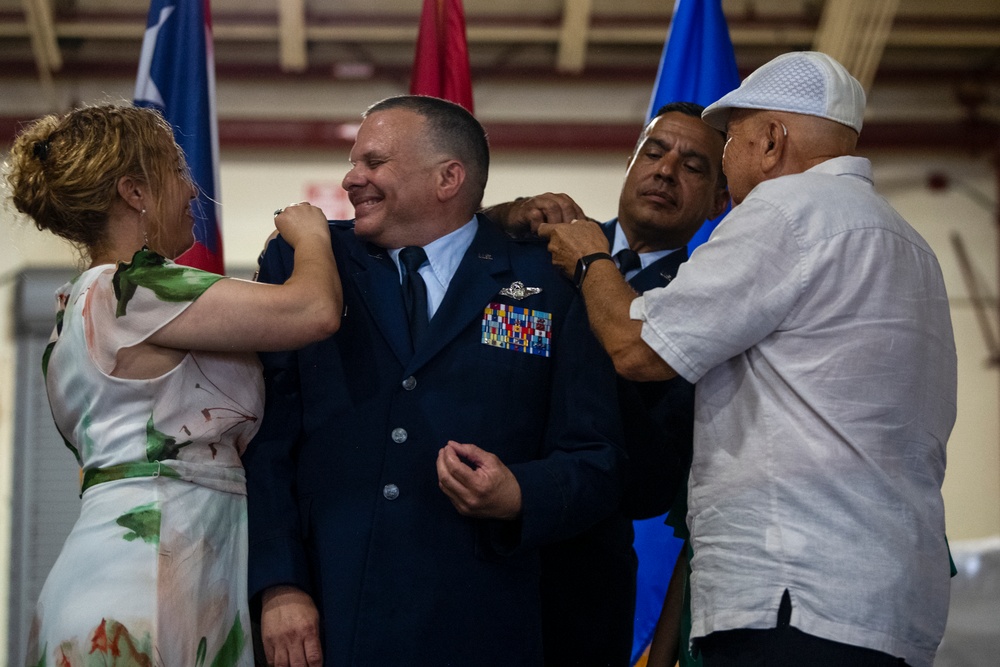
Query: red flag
x=441 y=63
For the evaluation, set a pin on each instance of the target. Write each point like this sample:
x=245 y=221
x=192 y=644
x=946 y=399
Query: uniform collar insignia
x=375 y=251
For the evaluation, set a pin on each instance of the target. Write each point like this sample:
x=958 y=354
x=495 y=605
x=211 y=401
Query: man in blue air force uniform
x=674 y=182
x=409 y=467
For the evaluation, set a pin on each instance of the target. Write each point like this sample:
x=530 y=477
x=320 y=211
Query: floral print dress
x=154 y=570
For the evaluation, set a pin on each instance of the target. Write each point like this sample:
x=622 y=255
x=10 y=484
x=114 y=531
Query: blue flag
x=698 y=66
x=177 y=76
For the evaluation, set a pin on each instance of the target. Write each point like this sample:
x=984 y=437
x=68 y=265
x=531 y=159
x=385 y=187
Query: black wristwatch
x=584 y=263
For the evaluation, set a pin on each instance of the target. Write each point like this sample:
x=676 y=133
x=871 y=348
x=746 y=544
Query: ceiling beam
x=44 y=47
x=41 y=28
x=855 y=32
x=911 y=33
x=572 y=52
x=292 y=35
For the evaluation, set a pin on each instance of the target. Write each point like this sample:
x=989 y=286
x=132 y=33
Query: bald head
x=764 y=144
x=815 y=139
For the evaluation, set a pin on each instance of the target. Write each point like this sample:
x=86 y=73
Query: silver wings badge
x=518 y=291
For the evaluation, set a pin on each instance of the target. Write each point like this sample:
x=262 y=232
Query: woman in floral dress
x=155 y=389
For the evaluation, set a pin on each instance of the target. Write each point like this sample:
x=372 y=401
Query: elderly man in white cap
x=816 y=326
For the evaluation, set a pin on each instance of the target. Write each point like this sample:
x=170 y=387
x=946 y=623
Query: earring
x=145 y=238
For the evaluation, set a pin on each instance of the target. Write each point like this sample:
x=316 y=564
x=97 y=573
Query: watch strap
x=584 y=263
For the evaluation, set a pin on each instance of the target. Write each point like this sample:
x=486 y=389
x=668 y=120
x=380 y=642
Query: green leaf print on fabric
x=70 y=447
x=62 y=299
x=231 y=650
x=41 y=661
x=143 y=522
x=199 y=659
x=173 y=283
x=88 y=442
x=73 y=449
x=60 y=314
x=160 y=446
x=45 y=359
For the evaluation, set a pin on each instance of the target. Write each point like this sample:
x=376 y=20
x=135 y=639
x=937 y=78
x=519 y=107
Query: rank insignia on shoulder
x=517 y=329
x=518 y=291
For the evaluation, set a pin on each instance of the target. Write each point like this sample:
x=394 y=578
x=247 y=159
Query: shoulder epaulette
x=341 y=224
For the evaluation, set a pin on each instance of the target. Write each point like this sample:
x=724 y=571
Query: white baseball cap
x=805 y=82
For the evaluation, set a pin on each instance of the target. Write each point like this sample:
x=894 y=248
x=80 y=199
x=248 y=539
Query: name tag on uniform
x=518 y=329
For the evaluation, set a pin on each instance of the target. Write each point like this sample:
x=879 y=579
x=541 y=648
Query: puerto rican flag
x=177 y=76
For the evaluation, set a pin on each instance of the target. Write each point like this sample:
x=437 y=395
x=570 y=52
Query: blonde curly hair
x=63 y=170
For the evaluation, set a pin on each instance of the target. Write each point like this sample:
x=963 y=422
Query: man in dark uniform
x=673 y=183
x=409 y=468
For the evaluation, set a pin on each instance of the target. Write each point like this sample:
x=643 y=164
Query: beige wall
x=255 y=183
x=972 y=480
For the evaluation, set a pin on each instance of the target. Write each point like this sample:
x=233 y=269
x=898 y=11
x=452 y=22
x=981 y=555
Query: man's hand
x=289 y=626
x=523 y=216
x=549 y=208
x=568 y=243
x=477 y=482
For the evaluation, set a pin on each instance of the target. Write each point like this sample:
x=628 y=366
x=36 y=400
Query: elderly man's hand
x=522 y=216
x=568 y=243
x=551 y=208
x=477 y=483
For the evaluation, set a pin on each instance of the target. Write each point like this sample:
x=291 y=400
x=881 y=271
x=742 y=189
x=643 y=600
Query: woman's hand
x=297 y=222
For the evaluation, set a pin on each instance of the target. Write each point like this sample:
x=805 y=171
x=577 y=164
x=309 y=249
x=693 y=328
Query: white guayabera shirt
x=816 y=325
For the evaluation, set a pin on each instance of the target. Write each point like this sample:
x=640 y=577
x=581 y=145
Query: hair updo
x=64 y=169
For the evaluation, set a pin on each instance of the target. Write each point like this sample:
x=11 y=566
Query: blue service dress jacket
x=342 y=485
x=658 y=417
x=589 y=581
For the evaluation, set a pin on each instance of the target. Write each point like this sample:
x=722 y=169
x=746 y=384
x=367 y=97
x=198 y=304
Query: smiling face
x=672 y=183
x=392 y=180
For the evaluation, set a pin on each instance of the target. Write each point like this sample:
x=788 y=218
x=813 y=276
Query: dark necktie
x=627 y=260
x=414 y=290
